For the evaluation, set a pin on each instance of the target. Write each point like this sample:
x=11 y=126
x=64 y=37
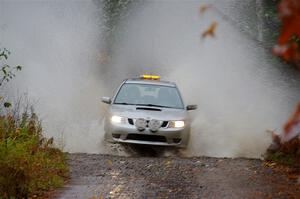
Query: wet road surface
x=141 y=176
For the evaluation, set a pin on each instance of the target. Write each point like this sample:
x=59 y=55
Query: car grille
x=164 y=123
x=143 y=137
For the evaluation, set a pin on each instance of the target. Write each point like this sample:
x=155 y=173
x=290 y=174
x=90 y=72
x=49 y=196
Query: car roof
x=153 y=82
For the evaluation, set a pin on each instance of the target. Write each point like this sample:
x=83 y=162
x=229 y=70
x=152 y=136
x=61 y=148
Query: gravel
x=146 y=174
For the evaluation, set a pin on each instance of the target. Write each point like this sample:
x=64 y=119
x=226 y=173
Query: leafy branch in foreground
x=7 y=71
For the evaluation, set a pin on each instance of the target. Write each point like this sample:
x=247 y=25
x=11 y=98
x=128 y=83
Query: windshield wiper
x=153 y=105
x=124 y=103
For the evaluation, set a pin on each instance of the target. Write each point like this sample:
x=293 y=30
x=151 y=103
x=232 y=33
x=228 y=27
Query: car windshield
x=149 y=95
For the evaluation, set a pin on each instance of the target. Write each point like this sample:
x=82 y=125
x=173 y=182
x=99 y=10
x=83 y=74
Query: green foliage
x=114 y=12
x=281 y=158
x=271 y=21
x=287 y=153
x=7 y=104
x=29 y=164
x=7 y=71
x=4 y=53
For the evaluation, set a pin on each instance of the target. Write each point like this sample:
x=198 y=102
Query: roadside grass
x=287 y=153
x=284 y=159
x=30 y=165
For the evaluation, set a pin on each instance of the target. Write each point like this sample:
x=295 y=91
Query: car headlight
x=176 y=124
x=117 y=119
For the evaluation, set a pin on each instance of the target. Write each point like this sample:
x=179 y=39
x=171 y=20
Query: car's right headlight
x=115 y=119
x=176 y=124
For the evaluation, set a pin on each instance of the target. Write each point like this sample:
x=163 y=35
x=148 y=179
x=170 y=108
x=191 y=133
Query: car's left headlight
x=176 y=124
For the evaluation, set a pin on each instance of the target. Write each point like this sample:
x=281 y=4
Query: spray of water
x=235 y=83
x=58 y=43
x=239 y=92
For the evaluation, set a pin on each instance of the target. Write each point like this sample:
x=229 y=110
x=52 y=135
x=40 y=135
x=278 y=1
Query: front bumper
x=127 y=133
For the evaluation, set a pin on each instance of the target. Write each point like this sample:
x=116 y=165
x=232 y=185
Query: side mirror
x=106 y=100
x=191 y=107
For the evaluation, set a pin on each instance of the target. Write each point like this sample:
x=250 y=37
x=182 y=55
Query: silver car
x=147 y=111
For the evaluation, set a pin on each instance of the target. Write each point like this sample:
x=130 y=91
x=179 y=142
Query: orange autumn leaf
x=210 y=30
x=289 y=13
x=289 y=52
x=293 y=121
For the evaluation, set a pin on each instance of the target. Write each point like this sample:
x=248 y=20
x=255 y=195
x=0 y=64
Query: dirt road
x=106 y=176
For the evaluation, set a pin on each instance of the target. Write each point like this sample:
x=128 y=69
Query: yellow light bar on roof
x=150 y=77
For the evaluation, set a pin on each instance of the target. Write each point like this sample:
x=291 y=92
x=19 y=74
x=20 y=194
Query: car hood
x=132 y=111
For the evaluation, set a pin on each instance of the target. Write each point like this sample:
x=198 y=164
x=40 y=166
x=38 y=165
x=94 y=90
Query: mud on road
x=141 y=176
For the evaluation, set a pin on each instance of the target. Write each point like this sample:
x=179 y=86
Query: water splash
x=58 y=43
x=240 y=90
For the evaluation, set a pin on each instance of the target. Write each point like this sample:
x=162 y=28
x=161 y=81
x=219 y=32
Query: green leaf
x=19 y=67
x=7 y=104
x=4 y=70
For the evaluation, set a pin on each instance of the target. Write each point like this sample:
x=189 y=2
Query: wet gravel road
x=106 y=176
